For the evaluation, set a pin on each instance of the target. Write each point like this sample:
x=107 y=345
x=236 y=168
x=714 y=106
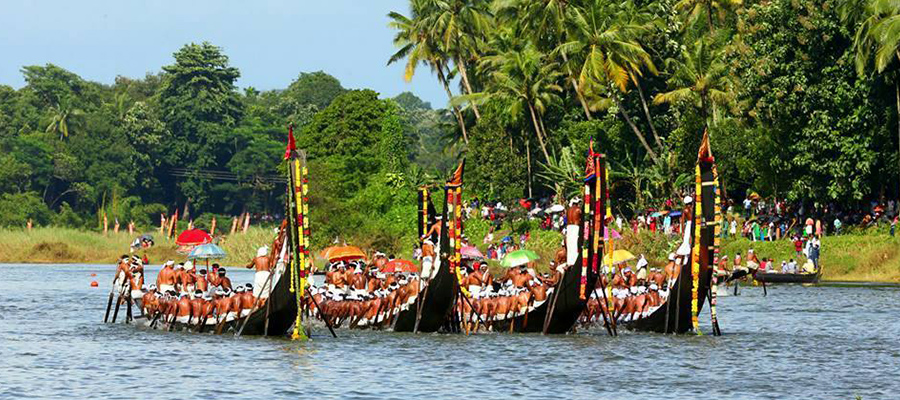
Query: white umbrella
x=556 y=208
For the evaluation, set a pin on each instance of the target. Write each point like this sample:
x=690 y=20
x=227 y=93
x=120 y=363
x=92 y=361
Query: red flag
x=291 y=146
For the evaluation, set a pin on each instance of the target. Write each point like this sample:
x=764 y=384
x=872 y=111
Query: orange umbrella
x=400 y=266
x=343 y=253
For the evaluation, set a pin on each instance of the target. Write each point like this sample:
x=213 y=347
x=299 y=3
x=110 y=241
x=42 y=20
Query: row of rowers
x=362 y=295
x=633 y=295
x=183 y=291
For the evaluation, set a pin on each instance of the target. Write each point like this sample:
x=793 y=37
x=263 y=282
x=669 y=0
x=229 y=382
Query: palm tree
x=525 y=79
x=63 y=116
x=459 y=25
x=700 y=79
x=417 y=45
x=695 y=10
x=546 y=21
x=607 y=35
x=877 y=38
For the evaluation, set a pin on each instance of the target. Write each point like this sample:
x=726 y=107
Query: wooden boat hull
x=771 y=277
x=569 y=307
x=675 y=315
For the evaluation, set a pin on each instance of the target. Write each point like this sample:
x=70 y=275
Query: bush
x=17 y=208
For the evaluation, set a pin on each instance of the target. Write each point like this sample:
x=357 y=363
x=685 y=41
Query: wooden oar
x=128 y=316
x=459 y=289
x=324 y=316
x=549 y=315
x=112 y=292
x=421 y=301
x=155 y=318
x=255 y=307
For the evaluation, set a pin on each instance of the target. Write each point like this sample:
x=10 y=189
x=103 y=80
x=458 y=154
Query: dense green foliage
x=785 y=88
x=801 y=99
x=185 y=138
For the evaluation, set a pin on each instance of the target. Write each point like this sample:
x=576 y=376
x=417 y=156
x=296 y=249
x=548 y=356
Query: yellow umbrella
x=618 y=257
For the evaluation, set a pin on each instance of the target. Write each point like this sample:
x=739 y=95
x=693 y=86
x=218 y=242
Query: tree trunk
x=637 y=131
x=459 y=118
x=465 y=78
x=587 y=110
x=647 y=114
x=537 y=129
x=709 y=16
x=528 y=158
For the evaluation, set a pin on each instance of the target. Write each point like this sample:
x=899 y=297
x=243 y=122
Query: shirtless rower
x=237 y=302
x=202 y=284
x=373 y=283
x=183 y=310
x=136 y=282
x=188 y=278
x=121 y=278
x=198 y=304
x=519 y=276
x=434 y=233
x=473 y=282
x=213 y=276
x=358 y=283
x=165 y=279
x=262 y=285
x=573 y=226
x=247 y=300
x=149 y=302
x=224 y=281
x=339 y=279
x=223 y=305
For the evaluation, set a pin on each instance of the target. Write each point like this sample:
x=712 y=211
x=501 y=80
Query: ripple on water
x=816 y=342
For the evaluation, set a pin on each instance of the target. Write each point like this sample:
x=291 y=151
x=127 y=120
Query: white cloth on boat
x=261 y=284
x=685 y=248
x=165 y=288
x=572 y=244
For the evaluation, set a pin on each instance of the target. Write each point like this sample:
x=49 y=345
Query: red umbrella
x=400 y=266
x=471 y=252
x=193 y=237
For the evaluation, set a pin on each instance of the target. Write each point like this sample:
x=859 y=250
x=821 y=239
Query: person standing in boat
x=136 y=282
x=687 y=222
x=573 y=227
x=165 y=279
x=428 y=254
x=261 y=283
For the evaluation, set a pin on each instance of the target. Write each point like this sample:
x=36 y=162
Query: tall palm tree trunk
x=537 y=129
x=659 y=144
x=459 y=118
x=528 y=158
x=587 y=110
x=637 y=132
x=461 y=66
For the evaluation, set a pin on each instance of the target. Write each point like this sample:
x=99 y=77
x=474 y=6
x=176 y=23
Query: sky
x=270 y=41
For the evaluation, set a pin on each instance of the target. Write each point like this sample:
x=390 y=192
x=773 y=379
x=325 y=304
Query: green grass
x=64 y=245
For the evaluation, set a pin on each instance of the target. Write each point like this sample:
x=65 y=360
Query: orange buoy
x=94 y=284
x=94 y=274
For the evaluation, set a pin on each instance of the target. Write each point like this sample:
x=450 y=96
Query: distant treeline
x=186 y=138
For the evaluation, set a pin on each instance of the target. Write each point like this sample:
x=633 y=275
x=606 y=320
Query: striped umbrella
x=207 y=251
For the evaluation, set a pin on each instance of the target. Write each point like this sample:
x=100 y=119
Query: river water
x=826 y=342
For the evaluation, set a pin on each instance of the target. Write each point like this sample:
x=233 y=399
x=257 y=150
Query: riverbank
x=868 y=257
x=64 y=245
